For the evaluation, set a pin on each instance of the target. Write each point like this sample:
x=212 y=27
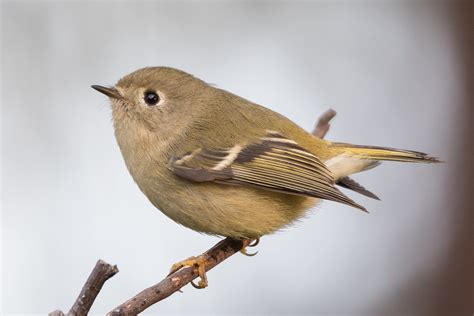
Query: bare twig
x=322 y=127
x=172 y=283
x=101 y=273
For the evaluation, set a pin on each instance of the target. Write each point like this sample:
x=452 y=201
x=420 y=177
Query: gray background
x=397 y=75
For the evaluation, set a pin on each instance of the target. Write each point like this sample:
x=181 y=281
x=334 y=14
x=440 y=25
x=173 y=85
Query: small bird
x=222 y=165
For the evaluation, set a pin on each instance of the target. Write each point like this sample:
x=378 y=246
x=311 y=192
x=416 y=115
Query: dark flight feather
x=351 y=184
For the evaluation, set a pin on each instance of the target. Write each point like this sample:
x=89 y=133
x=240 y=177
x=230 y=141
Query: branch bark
x=101 y=273
x=174 y=282
x=322 y=127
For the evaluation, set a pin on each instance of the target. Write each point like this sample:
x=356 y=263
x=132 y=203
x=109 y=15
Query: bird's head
x=154 y=95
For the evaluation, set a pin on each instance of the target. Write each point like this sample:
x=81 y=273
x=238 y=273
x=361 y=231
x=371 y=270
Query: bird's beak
x=110 y=92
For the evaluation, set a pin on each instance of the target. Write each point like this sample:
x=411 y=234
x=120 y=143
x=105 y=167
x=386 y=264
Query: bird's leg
x=198 y=262
x=252 y=243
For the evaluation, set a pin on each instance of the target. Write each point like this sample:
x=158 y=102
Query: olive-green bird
x=222 y=165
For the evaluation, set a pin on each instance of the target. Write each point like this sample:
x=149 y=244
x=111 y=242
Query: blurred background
x=399 y=74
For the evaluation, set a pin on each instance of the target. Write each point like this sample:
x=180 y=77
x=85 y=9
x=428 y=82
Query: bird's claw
x=253 y=243
x=200 y=263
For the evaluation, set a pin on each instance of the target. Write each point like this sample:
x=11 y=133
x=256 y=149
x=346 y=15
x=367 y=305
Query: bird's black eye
x=151 y=98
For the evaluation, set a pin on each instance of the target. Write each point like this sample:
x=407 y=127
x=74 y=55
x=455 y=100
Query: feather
x=351 y=184
x=382 y=153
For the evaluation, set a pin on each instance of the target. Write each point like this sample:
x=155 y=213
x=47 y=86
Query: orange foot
x=200 y=263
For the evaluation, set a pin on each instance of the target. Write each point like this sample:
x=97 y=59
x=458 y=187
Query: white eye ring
x=151 y=98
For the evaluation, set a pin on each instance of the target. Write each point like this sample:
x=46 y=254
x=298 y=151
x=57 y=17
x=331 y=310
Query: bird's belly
x=225 y=210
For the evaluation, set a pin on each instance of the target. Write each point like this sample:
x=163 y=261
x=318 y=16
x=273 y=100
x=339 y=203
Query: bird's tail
x=346 y=159
x=381 y=153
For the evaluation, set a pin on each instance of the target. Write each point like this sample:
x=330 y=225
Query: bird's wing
x=273 y=162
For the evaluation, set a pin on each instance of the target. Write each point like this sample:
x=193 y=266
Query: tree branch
x=101 y=273
x=322 y=127
x=172 y=283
